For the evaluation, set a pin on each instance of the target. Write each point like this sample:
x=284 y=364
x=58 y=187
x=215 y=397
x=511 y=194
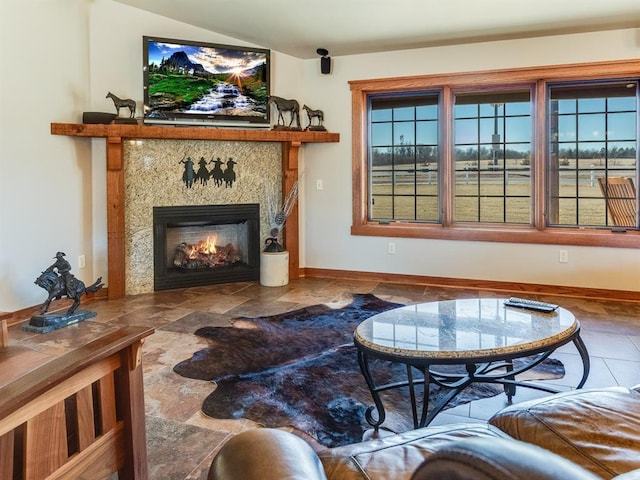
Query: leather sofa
x=580 y=434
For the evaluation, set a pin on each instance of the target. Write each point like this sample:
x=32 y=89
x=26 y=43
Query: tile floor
x=182 y=442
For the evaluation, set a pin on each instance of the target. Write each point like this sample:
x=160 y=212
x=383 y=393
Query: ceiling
x=347 y=27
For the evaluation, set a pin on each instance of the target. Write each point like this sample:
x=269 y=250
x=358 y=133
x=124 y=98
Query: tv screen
x=192 y=82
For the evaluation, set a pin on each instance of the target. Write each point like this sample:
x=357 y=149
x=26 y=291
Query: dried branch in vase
x=277 y=214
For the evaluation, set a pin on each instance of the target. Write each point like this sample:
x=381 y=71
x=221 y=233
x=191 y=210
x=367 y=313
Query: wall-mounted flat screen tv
x=197 y=82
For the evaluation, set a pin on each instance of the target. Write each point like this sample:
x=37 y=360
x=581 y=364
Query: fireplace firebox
x=199 y=245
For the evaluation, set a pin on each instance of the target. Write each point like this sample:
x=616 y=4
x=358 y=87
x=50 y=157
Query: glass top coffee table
x=482 y=335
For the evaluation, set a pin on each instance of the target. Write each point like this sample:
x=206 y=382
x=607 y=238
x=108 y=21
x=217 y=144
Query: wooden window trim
x=539 y=77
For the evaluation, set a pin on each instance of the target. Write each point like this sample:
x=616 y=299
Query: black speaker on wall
x=325 y=61
x=325 y=65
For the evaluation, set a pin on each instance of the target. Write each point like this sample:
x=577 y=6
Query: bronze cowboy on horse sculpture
x=58 y=280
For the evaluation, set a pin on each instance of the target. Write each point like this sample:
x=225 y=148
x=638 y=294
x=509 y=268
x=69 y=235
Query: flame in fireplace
x=206 y=247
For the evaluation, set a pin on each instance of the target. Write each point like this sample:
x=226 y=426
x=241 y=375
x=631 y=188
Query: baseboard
x=469 y=284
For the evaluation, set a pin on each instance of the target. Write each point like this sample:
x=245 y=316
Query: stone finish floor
x=182 y=441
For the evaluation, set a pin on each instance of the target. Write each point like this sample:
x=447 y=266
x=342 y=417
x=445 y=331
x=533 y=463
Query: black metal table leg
x=584 y=355
x=363 y=361
x=510 y=388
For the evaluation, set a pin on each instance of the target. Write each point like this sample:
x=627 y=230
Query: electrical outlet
x=82 y=261
x=563 y=256
x=391 y=250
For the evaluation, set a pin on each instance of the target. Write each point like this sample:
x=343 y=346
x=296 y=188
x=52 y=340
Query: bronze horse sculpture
x=285 y=105
x=120 y=103
x=56 y=287
x=311 y=114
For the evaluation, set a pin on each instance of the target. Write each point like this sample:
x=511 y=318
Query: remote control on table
x=530 y=304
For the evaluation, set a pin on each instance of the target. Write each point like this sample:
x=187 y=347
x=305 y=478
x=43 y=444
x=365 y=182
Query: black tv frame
x=159 y=116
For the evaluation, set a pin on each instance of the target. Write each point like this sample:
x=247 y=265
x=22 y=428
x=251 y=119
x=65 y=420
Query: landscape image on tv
x=185 y=79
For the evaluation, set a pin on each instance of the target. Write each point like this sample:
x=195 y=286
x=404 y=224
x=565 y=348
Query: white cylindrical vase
x=274 y=269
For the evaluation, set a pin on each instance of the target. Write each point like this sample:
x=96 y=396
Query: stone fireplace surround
x=153 y=178
x=116 y=135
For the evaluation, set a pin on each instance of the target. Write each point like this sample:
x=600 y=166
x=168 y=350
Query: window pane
x=591 y=211
x=491 y=210
x=466 y=157
x=620 y=125
x=380 y=157
x=567 y=128
x=466 y=209
x=427 y=180
x=568 y=211
x=465 y=111
x=426 y=133
x=426 y=155
x=491 y=109
x=381 y=134
x=427 y=112
x=620 y=104
x=606 y=124
x=383 y=115
x=518 y=182
x=515 y=108
x=404 y=155
x=404 y=181
x=466 y=131
x=591 y=152
x=518 y=129
x=405 y=113
x=382 y=207
x=489 y=149
x=403 y=133
x=491 y=129
x=590 y=105
x=427 y=208
x=567 y=106
x=403 y=158
x=622 y=155
x=591 y=127
x=518 y=209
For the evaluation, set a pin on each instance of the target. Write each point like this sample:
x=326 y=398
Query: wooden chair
x=79 y=414
x=620 y=195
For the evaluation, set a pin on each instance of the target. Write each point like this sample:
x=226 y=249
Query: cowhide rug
x=300 y=369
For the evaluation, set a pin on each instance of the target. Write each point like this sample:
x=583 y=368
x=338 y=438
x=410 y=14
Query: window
x=592 y=136
x=492 y=157
x=403 y=158
x=500 y=156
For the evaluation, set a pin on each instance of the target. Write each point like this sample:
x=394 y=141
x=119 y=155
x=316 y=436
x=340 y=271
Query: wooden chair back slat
x=620 y=195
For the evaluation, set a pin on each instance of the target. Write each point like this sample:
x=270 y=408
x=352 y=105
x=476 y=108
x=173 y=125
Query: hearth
x=205 y=244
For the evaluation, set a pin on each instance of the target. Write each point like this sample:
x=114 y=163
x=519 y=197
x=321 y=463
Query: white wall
x=327 y=213
x=58 y=58
x=45 y=181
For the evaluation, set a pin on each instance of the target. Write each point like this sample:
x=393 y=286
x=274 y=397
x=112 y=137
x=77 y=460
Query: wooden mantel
x=115 y=134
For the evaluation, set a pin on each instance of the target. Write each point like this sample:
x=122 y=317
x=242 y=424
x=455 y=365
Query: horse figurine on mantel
x=317 y=114
x=285 y=105
x=123 y=102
